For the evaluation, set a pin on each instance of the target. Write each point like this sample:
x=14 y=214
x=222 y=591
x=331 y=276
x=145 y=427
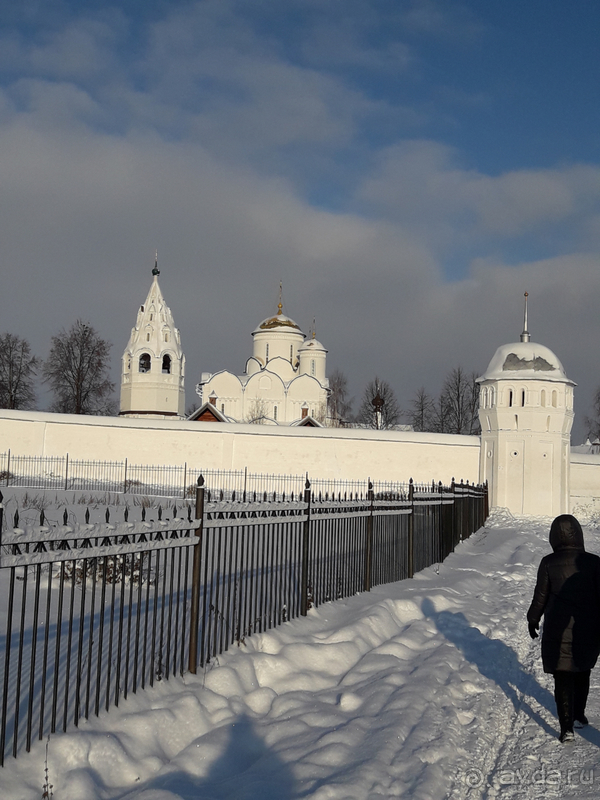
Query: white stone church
x=284 y=381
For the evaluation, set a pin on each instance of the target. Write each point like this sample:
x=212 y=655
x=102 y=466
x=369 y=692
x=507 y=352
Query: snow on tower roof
x=528 y=360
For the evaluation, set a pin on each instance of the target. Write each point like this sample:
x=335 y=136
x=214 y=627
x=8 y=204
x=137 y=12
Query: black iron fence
x=62 y=473
x=94 y=612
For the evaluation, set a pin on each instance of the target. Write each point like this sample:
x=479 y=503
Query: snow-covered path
x=429 y=688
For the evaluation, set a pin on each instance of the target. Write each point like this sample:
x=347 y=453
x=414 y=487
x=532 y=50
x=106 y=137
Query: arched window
x=147 y=337
x=166 y=337
x=554 y=398
x=275 y=412
x=166 y=365
x=267 y=353
x=145 y=362
x=291 y=353
x=543 y=398
x=523 y=397
x=510 y=398
x=312 y=367
x=492 y=396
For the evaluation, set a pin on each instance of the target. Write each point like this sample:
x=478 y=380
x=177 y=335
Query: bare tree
x=593 y=422
x=422 y=412
x=339 y=406
x=457 y=405
x=257 y=412
x=17 y=371
x=376 y=414
x=77 y=371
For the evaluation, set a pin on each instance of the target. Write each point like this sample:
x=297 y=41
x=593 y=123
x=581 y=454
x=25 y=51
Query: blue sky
x=408 y=169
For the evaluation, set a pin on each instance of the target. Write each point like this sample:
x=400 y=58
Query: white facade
x=526 y=414
x=153 y=366
x=283 y=382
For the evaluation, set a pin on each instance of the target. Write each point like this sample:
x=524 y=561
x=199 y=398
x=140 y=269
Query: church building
x=284 y=381
x=153 y=365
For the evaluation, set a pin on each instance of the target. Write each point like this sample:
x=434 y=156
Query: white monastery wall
x=348 y=454
x=585 y=483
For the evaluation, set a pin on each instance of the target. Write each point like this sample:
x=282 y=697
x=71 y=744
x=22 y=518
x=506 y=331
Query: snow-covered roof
x=525 y=360
x=278 y=321
x=312 y=344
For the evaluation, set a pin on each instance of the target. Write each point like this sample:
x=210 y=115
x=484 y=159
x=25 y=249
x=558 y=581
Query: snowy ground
x=429 y=688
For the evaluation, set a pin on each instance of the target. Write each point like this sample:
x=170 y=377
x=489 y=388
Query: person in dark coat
x=567 y=593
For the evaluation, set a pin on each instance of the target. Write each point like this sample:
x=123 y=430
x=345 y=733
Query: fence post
x=8 y=468
x=195 y=607
x=184 y=478
x=1 y=521
x=125 y=479
x=66 y=471
x=305 y=552
x=369 y=540
x=411 y=529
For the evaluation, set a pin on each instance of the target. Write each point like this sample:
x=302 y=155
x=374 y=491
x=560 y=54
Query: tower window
x=151 y=317
x=554 y=398
x=274 y=412
x=291 y=353
x=510 y=398
x=523 y=397
x=543 y=398
x=145 y=362
x=312 y=367
x=166 y=337
x=166 y=365
x=222 y=408
x=147 y=337
x=267 y=353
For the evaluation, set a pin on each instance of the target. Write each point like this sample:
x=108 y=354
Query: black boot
x=582 y=688
x=564 y=696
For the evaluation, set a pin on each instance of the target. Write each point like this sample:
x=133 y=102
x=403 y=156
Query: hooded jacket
x=567 y=593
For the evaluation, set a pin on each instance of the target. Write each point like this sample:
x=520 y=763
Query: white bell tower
x=152 y=376
x=526 y=414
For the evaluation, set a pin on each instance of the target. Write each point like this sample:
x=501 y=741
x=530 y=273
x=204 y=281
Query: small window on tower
x=523 y=397
x=222 y=408
x=312 y=367
x=151 y=317
x=145 y=362
x=147 y=337
x=291 y=352
x=275 y=412
x=267 y=353
x=166 y=365
x=166 y=337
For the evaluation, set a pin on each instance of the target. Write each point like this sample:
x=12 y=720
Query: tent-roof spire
x=525 y=335
x=156 y=270
x=280 y=304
